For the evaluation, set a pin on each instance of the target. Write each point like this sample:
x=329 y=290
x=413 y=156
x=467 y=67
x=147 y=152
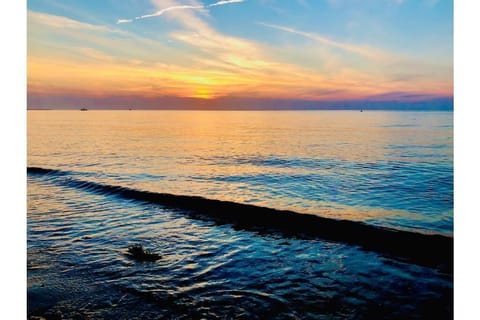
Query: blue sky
x=310 y=50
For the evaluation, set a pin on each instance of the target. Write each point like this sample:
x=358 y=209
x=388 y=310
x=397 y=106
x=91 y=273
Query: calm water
x=390 y=169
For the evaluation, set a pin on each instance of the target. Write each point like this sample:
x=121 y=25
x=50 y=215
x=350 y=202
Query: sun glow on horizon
x=195 y=54
x=203 y=94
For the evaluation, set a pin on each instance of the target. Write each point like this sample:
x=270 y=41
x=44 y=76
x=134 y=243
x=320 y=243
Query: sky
x=239 y=53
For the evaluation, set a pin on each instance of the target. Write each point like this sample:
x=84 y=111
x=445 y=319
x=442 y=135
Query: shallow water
x=385 y=168
x=78 y=267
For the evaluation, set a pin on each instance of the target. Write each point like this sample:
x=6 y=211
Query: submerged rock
x=137 y=252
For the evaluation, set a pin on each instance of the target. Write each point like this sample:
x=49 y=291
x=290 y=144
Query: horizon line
x=404 y=108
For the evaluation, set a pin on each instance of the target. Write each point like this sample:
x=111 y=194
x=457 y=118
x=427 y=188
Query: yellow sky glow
x=214 y=66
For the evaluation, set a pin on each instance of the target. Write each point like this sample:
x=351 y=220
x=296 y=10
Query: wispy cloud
x=181 y=7
x=360 y=50
x=59 y=22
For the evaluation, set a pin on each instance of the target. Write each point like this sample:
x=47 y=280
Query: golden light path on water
x=388 y=168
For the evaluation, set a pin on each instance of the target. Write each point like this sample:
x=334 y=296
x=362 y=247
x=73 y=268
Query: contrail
x=221 y=3
x=124 y=20
x=183 y=7
x=159 y=13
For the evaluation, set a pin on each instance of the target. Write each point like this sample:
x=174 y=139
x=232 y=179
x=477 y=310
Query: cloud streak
x=360 y=50
x=181 y=7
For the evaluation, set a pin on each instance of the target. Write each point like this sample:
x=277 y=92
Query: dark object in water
x=137 y=252
x=83 y=109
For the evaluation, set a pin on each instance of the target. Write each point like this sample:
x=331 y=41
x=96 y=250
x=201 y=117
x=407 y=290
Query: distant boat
x=83 y=109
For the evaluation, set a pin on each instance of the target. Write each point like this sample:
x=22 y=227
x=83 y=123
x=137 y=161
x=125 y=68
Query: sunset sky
x=171 y=52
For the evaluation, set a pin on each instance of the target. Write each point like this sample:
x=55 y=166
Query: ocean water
x=382 y=169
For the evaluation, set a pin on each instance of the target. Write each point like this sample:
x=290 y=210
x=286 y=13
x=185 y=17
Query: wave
x=425 y=249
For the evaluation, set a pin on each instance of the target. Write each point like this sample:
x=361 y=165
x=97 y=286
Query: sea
x=225 y=198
